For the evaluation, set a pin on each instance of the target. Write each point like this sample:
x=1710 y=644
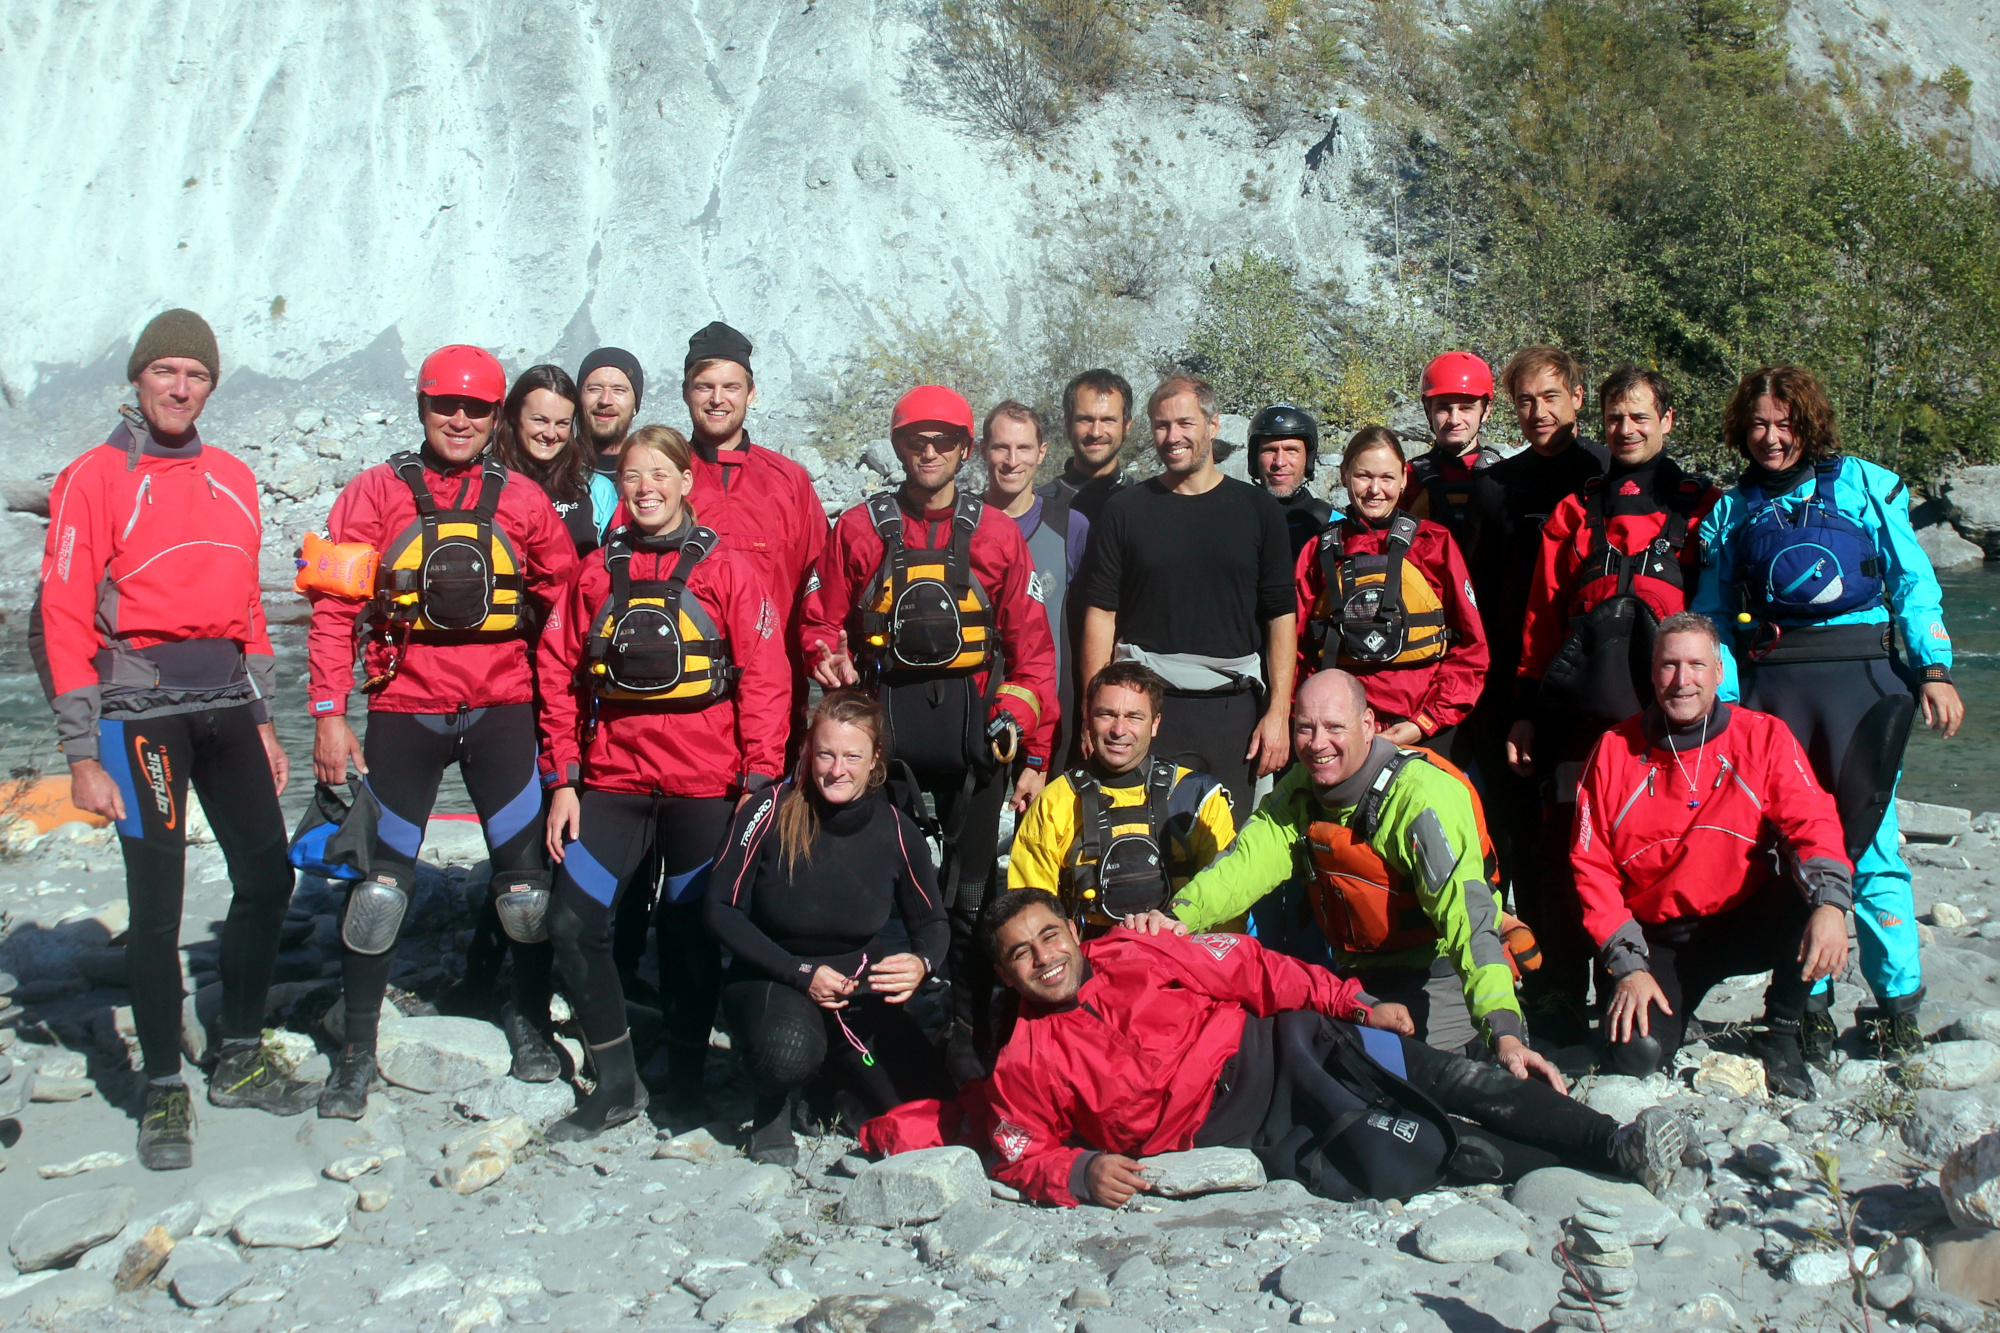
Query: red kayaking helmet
x=932 y=405
x=462 y=371
x=1456 y=372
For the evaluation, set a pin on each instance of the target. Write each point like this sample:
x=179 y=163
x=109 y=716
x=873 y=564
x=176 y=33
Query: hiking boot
x=536 y=1059
x=166 y=1128
x=346 y=1093
x=771 y=1138
x=258 y=1074
x=1784 y=1062
x=1895 y=1036
x=1817 y=1034
x=1652 y=1147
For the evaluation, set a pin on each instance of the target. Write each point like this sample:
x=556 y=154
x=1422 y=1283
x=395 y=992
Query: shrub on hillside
x=1022 y=68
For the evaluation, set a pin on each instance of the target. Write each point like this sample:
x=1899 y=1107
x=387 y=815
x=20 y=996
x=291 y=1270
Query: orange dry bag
x=344 y=569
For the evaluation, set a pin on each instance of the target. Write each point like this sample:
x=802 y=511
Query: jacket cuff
x=328 y=705
x=755 y=782
x=81 y=747
x=1079 y=1176
x=1505 y=1023
x=1826 y=883
x=1935 y=673
x=263 y=672
x=1625 y=952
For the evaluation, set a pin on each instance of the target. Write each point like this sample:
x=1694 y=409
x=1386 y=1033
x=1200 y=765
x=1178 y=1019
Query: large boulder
x=1945 y=1120
x=913 y=1187
x=1182 y=1175
x=1953 y=1065
x=1469 y=1234
x=304 y=1220
x=61 y=1229
x=441 y=1054
x=1972 y=503
x=1967 y=1264
x=1947 y=549
x=1970 y=1182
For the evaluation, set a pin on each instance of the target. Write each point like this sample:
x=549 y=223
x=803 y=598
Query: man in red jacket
x=1616 y=559
x=1675 y=821
x=148 y=633
x=462 y=545
x=915 y=591
x=1143 y=1043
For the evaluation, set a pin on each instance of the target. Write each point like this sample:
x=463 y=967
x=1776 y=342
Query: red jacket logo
x=1012 y=1140
x=1630 y=487
x=1218 y=946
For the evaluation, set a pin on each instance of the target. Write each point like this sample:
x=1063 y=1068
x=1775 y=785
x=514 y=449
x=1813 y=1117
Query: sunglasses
x=450 y=405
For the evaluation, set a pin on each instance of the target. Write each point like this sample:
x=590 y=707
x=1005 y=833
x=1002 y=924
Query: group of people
x=1253 y=895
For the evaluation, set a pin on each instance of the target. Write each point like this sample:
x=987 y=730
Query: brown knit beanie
x=175 y=333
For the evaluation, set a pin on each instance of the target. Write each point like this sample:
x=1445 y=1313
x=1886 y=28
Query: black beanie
x=175 y=333
x=717 y=342
x=618 y=359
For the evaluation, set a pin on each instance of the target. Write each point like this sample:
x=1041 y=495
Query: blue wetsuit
x=1845 y=695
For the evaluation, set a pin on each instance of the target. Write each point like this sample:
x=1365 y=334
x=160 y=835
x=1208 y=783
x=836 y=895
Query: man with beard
x=1097 y=410
x=612 y=384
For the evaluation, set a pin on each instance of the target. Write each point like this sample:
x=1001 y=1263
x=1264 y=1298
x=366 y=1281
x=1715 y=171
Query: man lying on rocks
x=1141 y=1043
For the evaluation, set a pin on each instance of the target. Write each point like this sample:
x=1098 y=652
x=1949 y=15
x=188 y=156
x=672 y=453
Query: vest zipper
x=139 y=501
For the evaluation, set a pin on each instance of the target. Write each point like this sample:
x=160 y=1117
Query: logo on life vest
x=1218 y=946
x=1630 y=487
x=159 y=775
x=1012 y=1140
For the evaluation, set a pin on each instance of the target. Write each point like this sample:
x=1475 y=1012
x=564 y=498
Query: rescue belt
x=651 y=642
x=1448 y=500
x=1806 y=563
x=1604 y=665
x=1377 y=609
x=451 y=576
x=1118 y=874
x=1365 y=906
x=924 y=610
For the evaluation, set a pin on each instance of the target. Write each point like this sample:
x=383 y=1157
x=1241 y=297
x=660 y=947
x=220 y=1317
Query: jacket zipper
x=1645 y=788
x=1730 y=769
x=139 y=501
x=215 y=486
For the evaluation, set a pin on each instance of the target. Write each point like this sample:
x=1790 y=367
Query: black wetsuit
x=864 y=889
x=1306 y=515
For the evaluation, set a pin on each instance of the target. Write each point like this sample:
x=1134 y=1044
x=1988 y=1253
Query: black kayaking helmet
x=1284 y=422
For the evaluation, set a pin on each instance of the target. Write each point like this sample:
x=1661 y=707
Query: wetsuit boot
x=254 y=1073
x=1817 y=1031
x=618 y=1097
x=1784 y=1062
x=346 y=1094
x=535 y=1057
x=166 y=1125
x=771 y=1138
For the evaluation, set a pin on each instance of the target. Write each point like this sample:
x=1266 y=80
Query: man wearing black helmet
x=1284 y=448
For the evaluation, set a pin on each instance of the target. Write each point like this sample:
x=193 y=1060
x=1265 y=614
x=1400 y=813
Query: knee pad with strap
x=521 y=900
x=1866 y=783
x=375 y=910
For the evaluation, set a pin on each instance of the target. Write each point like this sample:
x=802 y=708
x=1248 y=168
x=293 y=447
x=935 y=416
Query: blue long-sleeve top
x=1875 y=498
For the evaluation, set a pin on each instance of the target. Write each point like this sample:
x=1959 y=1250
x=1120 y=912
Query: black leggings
x=1321 y=1131
x=1688 y=956
x=785 y=1039
x=597 y=869
x=1209 y=733
x=407 y=754
x=153 y=760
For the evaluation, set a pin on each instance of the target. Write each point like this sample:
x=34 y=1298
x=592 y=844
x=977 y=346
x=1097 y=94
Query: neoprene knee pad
x=1641 y=1057
x=789 y=1051
x=1866 y=783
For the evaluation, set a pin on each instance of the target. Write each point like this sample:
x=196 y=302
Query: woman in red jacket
x=665 y=702
x=1387 y=597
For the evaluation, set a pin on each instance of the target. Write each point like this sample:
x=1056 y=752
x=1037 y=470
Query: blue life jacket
x=1806 y=563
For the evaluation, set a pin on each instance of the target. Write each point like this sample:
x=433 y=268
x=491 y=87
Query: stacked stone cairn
x=1598 y=1278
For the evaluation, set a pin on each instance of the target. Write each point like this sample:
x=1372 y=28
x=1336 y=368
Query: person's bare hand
x=1631 y=1005
x=834 y=668
x=1270 y=744
x=1114 y=1179
x=1521 y=748
x=281 y=763
x=1522 y=1062
x=1153 y=923
x=1943 y=709
x=565 y=824
x=1026 y=788
x=895 y=977
x=93 y=789
x=1392 y=1017
x=1403 y=733
x=1823 y=951
x=829 y=989
x=335 y=746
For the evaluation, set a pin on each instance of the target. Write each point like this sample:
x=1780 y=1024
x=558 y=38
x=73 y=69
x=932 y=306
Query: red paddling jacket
x=711 y=740
x=149 y=601
x=764 y=507
x=1130 y=1066
x=1663 y=833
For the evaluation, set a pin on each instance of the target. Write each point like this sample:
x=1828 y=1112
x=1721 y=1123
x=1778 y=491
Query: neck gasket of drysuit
x=1780 y=483
x=670 y=540
x=1348 y=790
x=1673 y=736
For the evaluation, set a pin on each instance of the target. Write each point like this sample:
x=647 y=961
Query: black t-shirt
x=1191 y=573
x=1510 y=502
x=1088 y=495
